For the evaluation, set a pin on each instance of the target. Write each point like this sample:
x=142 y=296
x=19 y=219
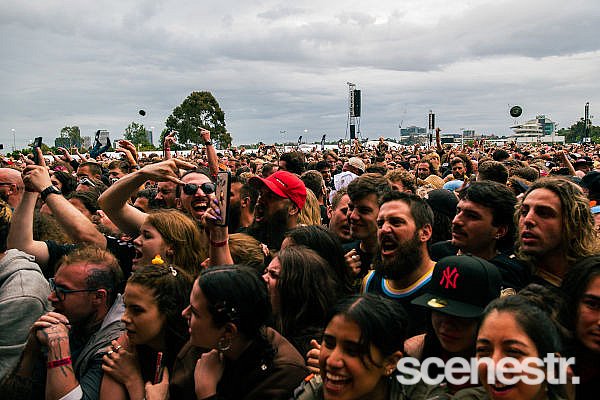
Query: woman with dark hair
x=302 y=289
x=460 y=289
x=231 y=353
x=361 y=346
x=328 y=246
x=581 y=288
x=515 y=327
x=154 y=298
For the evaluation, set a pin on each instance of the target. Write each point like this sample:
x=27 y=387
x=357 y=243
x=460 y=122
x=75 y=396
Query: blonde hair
x=182 y=233
x=311 y=212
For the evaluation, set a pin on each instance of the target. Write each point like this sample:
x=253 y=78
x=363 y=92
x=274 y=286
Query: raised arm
x=211 y=154
x=114 y=201
x=169 y=141
x=37 y=179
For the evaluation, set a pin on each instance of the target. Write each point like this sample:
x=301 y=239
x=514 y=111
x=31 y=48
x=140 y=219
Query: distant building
x=412 y=130
x=538 y=130
x=537 y=127
x=149 y=136
x=87 y=141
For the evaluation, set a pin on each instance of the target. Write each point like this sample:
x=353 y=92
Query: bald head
x=11 y=186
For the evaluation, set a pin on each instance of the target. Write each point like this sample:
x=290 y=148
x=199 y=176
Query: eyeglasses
x=6 y=183
x=62 y=293
x=86 y=181
x=191 y=188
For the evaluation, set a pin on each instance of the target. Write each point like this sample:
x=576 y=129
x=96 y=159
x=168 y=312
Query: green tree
x=136 y=134
x=198 y=110
x=576 y=132
x=73 y=135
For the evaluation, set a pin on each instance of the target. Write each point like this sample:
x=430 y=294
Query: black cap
x=443 y=201
x=462 y=286
x=591 y=181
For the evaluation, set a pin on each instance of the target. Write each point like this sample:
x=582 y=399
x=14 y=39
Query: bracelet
x=59 y=363
x=219 y=244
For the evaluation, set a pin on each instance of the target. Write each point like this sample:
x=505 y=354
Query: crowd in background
x=124 y=279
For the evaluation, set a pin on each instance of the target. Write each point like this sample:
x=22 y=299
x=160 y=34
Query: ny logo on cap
x=449 y=278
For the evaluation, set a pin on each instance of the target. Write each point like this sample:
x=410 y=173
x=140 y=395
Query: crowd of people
x=124 y=279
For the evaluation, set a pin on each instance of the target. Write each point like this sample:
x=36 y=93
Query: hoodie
x=23 y=299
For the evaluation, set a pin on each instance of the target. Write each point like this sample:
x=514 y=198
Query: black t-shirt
x=515 y=274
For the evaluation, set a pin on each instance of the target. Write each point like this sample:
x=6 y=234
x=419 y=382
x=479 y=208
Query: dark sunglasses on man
x=191 y=188
x=86 y=181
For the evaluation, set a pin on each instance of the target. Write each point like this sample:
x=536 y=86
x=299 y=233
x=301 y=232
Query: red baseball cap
x=283 y=184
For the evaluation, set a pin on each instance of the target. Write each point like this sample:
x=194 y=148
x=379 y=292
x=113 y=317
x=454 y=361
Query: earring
x=223 y=345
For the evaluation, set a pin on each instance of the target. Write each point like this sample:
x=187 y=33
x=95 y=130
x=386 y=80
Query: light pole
x=14 y=142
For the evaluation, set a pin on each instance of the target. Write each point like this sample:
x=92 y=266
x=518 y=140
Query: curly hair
x=580 y=239
x=406 y=178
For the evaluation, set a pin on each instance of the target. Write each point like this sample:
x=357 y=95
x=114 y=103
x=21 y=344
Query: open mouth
x=200 y=205
x=388 y=245
x=335 y=383
x=259 y=212
x=528 y=237
x=138 y=256
x=499 y=388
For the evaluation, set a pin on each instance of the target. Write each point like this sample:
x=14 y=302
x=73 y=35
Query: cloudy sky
x=283 y=66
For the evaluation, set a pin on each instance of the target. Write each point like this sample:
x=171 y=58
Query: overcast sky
x=283 y=66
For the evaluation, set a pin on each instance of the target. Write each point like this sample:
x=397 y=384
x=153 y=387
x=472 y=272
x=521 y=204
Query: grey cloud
x=280 y=12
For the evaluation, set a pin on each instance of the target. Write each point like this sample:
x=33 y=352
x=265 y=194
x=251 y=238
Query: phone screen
x=222 y=194
x=37 y=142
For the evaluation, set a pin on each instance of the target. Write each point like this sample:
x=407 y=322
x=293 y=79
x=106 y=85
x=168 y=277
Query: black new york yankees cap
x=461 y=286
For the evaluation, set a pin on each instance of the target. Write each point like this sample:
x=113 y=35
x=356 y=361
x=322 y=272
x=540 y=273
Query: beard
x=235 y=215
x=405 y=261
x=270 y=231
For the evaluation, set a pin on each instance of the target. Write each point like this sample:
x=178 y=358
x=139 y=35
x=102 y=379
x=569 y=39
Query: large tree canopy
x=198 y=110
x=137 y=134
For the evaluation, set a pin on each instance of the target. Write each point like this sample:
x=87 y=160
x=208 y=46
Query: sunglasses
x=191 y=188
x=62 y=293
x=87 y=182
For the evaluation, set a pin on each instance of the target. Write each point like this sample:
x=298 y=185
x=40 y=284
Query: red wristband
x=219 y=244
x=59 y=363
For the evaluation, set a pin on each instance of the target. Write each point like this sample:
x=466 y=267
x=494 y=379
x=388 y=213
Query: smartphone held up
x=222 y=192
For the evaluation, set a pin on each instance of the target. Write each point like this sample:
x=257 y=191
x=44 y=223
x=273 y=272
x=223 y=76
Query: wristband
x=59 y=363
x=219 y=244
x=208 y=143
